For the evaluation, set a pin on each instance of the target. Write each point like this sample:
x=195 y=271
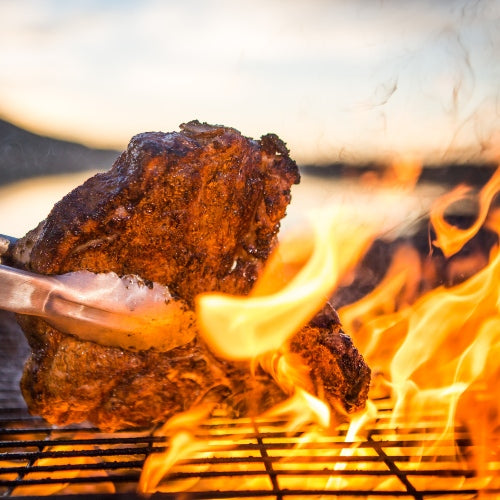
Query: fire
x=433 y=349
x=244 y=328
x=438 y=352
x=450 y=238
x=182 y=445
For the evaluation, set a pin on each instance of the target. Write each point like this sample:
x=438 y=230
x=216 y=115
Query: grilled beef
x=196 y=210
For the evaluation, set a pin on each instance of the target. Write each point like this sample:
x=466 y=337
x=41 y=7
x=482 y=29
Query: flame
x=256 y=329
x=449 y=237
x=298 y=279
x=432 y=348
x=183 y=444
x=302 y=408
x=439 y=350
x=244 y=328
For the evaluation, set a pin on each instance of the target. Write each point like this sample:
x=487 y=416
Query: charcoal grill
x=242 y=459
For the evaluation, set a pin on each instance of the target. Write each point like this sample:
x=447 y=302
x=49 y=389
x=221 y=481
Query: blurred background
x=345 y=83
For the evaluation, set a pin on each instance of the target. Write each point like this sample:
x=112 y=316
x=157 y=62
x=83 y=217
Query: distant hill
x=24 y=154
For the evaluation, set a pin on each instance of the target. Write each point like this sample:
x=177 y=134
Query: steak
x=198 y=211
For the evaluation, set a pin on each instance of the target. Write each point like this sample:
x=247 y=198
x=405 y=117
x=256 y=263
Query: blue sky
x=336 y=80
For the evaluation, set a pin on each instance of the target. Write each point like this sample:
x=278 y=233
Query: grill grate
x=240 y=458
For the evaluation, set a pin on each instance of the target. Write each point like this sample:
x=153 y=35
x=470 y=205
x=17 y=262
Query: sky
x=338 y=80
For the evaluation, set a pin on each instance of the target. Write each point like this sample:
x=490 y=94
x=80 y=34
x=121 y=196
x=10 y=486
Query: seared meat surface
x=196 y=210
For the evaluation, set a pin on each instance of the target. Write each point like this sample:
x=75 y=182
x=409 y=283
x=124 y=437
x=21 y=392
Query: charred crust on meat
x=273 y=145
x=146 y=201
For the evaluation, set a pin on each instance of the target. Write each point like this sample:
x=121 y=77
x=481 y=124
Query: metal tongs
x=101 y=307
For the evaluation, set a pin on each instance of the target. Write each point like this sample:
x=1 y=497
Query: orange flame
x=435 y=353
x=450 y=238
x=442 y=349
x=243 y=328
x=297 y=281
x=182 y=445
